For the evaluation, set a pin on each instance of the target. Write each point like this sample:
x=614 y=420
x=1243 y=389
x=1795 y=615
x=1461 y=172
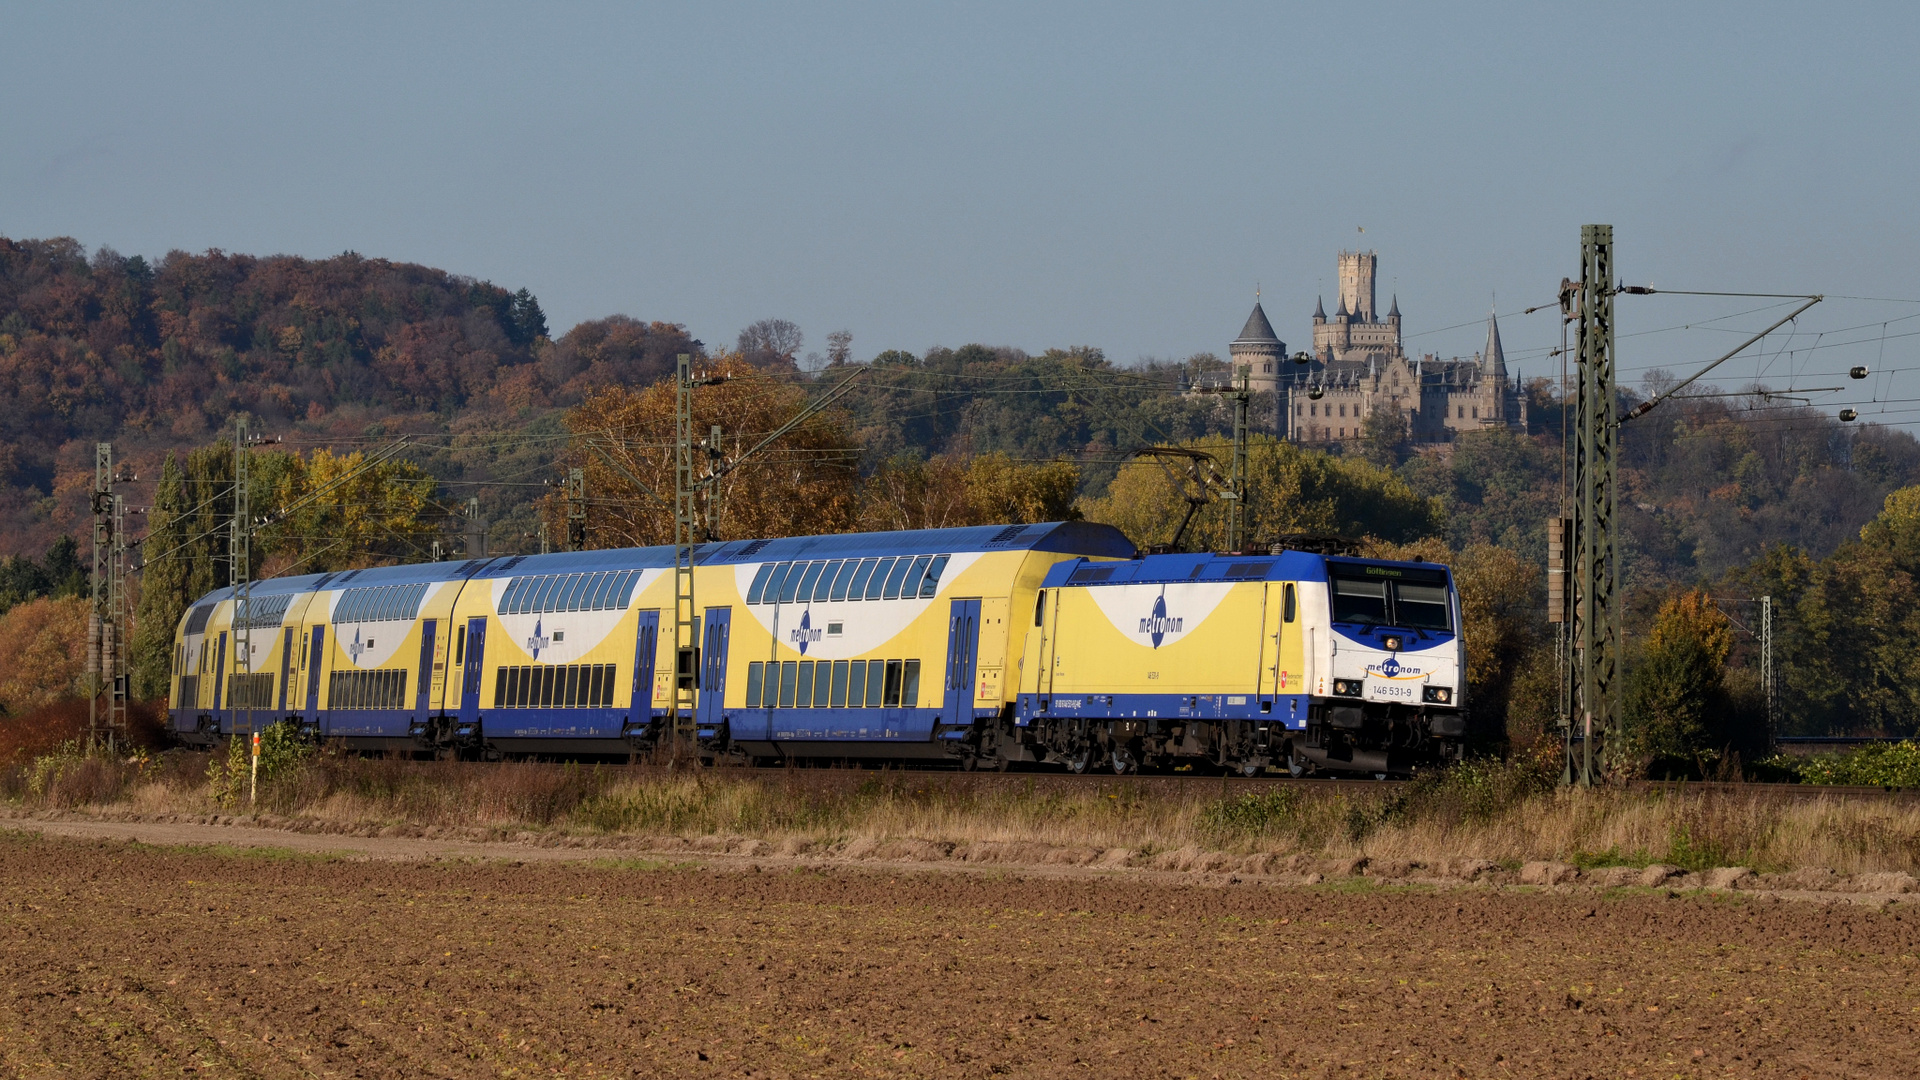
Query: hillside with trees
x=1722 y=496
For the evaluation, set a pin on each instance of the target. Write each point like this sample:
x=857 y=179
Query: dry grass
x=1504 y=814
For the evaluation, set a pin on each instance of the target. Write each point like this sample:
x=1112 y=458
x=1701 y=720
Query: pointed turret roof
x=1394 y=311
x=1493 y=362
x=1342 y=309
x=1258 y=329
x=1319 y=309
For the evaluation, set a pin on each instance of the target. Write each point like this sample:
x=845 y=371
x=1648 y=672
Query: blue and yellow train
x=980 y=647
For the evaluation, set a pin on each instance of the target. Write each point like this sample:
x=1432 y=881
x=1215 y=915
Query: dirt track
x=123 y=961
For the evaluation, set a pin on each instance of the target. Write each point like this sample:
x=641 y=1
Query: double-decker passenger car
x=976 y=646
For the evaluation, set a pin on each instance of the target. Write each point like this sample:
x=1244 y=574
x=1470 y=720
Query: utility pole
x=477 y=531
x=685 y=617
x=1595 y=673
x=240 y=570
x=711 y=484
x=106 y=621
x=576 y=498
x=1237 y=478
x=1766 y=667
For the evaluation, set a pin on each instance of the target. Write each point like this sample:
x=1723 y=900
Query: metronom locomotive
x=980 y=647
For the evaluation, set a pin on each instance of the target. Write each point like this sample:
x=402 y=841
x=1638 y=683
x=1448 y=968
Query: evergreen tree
x=164 y=593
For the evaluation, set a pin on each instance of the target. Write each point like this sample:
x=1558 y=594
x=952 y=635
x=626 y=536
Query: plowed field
x=126 y=961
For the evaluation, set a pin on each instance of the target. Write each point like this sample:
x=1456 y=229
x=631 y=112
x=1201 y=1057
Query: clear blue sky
x=1022 y=174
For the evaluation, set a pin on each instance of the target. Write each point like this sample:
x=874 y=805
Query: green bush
x=283 y=755
x=1872 y=765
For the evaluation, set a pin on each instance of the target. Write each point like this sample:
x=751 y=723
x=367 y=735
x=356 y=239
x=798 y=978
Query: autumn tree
x=802 y=484
x=1290 y=490
x=1676 y=706
x=45 y=643
x=947 y=491
x=770 y=343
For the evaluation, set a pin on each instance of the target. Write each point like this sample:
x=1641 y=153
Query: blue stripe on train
x=1289 y=710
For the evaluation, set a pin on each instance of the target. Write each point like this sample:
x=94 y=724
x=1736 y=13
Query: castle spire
x=1319 y=310
x=1493 y=362
x=1258 y=329
x=1394 y=311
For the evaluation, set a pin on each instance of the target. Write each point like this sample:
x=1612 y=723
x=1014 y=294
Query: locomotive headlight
x=1437 y=695
x=1346 y=687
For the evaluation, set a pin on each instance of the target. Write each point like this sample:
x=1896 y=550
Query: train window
x=877 y=584
x=570 y=599
x=772 y=593
x=791 y=586
x=839 y=698
x=627 y=582
x=910 y=685
x=930 y=584
x=597 y=592
x=807 y=580
x=803 y=695
x=825 y=585
x=857 y=684
x=537 y=600
x=581 y=598
x=1039 y=607
x=893 y=578
x=789 y=672
x=1287 y=603
x=759 y=585
x=892 y=698
x=857 y=589
x=459 y=645
x=910 y=588
x=754 y=672
x=876 y=682
x=1421 y=607
x=507 y=597
x=821 y=683
x=1359 y=601
x=840 y=580
x=501 y=676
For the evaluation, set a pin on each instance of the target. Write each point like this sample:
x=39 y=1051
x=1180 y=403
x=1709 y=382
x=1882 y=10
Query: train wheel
x=1081 y=760
x=1123 y=763
x=1250 y=769
x=1297 y=766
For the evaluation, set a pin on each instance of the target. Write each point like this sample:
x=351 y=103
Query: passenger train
x=979 y=647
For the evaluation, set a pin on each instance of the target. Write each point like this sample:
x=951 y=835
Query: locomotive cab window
x=1407 y=597
x=1360 y=601
x=1420 y=607
x=1287 y=603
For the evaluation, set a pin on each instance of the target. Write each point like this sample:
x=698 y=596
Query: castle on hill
x=1358 y=365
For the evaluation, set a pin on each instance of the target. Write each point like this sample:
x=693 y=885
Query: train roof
x=1066 y=537
x=1169 y=569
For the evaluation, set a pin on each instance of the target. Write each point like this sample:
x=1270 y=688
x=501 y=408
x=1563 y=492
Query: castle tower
x=1259 y=349
x=1356 y=283
x=1493 y=362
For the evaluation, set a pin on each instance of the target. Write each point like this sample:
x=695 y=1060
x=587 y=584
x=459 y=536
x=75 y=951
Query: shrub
x=1872 y=765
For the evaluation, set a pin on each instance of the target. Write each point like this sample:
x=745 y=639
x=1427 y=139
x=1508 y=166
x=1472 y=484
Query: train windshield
x=1359 y=601
x=1416 y=599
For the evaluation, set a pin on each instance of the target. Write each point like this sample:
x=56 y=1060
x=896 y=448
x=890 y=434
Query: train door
x=219 y=674
x=1268 y=680
x=316 y=652
x=1047 y=616
x=429 y=630
x=713 y=667
x=471 y=672
x=286 y=666
x=963 y=649
x=646 y=648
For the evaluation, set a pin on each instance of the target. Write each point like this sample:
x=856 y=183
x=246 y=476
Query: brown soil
x=120 y=960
